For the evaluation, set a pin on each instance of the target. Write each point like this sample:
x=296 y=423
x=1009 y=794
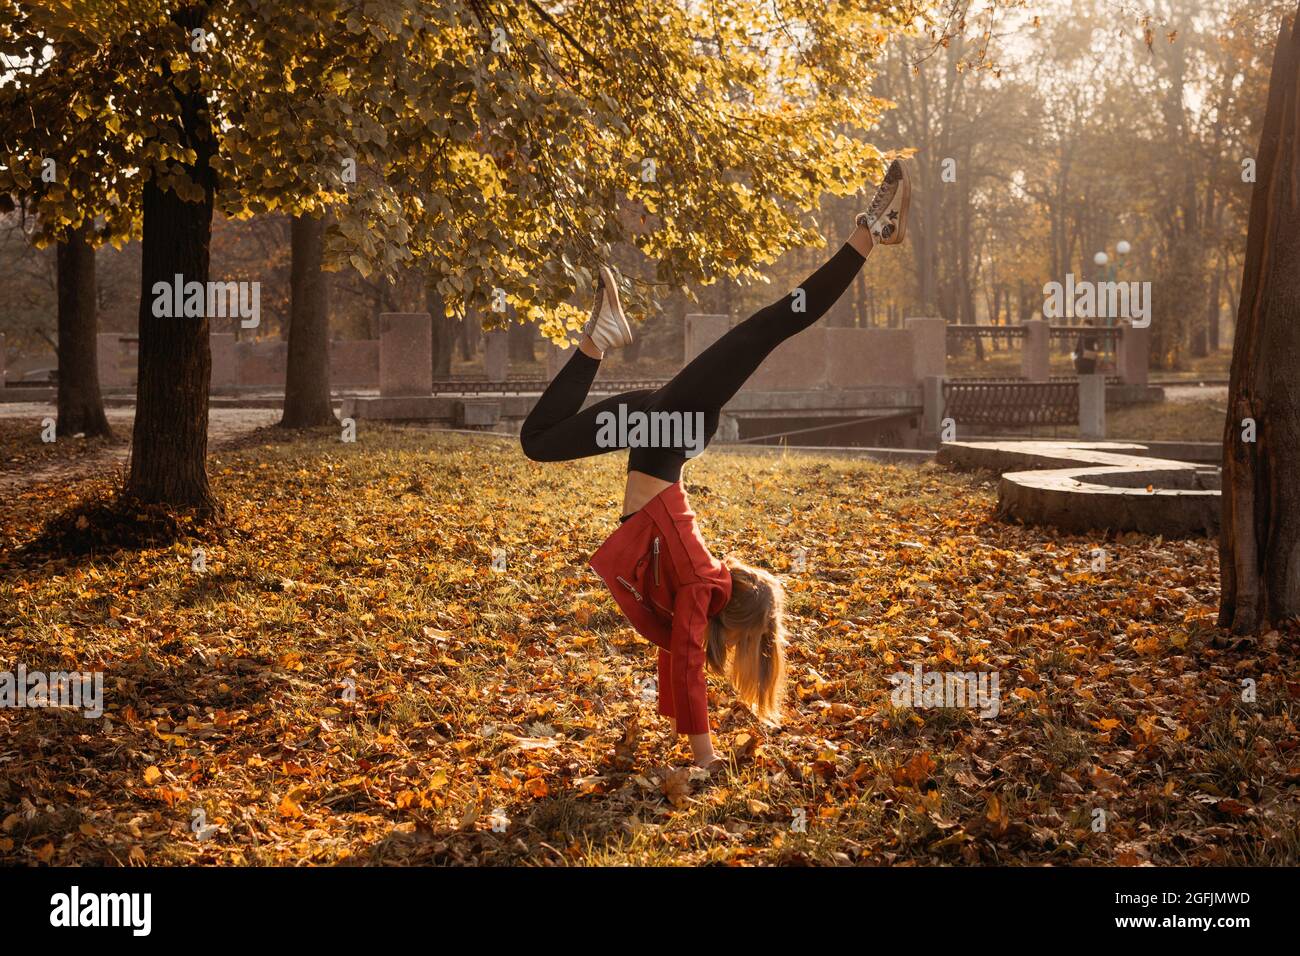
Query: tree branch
x=569 y=37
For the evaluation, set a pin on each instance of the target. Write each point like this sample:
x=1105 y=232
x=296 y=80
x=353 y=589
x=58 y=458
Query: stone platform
x=1095 y=486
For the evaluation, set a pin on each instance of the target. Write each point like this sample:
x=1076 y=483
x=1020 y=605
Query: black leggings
x=560 y=429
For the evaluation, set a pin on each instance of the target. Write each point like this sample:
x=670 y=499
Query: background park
x=341 y=619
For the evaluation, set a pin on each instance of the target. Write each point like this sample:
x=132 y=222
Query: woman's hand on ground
x=702 y=749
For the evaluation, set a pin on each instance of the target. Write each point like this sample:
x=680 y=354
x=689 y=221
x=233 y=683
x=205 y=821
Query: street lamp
x=1122 y=249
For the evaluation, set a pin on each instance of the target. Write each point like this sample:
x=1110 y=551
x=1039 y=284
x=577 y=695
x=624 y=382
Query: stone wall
x=839 y=358
x=112 y=357
x=701 y=332
x=262 y=364
x=354 y=363
x=225 y=361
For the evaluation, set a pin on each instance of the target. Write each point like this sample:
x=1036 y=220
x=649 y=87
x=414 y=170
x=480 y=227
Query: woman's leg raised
x=717 y=373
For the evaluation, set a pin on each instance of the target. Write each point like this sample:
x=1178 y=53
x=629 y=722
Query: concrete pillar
x=405 y=354
x=931 y=410
x=1092 y=407
x=702 y=331
x=496 y=355
x=557 y=358
x=728 y=428
x=108 y=349
x=225 y=364
x=1036 y=356
x=929 y=346
x=1133 y=354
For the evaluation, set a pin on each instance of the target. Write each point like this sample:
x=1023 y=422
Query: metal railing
x=521 y=386
x=1012 y=404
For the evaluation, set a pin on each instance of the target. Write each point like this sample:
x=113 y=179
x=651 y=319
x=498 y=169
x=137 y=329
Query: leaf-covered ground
x=351 y=681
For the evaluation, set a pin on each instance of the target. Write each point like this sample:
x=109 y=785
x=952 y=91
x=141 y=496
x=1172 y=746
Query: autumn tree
x=80 y=405
x=703 y=136
x=38 y=191
x=504 y=148
x=184 y=92
x=1260 y=539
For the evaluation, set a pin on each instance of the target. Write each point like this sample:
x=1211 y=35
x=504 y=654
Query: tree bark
x=471 y=330
x=307 y=401
x=81 y=408
x=444 y=331
x=1216 y=296
x=169 y=443
x=1259 y=547
x=522 y=339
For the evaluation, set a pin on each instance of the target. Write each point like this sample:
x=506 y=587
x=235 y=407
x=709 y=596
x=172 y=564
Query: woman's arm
x=702 y=750
x=701 y=747
x=690 y=693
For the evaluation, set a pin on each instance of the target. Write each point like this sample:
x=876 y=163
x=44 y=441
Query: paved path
x=224 y=424
x=1197 y=393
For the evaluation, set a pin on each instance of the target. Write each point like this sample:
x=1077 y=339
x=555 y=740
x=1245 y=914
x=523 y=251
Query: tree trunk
x=307 y=375
x=169 y=443
x=81 y=409
x=444 y=331
x=470 y=333
x=1259 y=546
x=1215 y=297
x=521 y=342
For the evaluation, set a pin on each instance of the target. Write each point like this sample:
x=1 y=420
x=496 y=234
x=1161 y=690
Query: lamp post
x=1110 y=272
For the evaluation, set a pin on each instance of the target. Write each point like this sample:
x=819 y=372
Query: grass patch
x=351 y=682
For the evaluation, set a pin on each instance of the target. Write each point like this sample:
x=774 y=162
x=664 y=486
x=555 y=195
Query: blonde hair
x=746 y=639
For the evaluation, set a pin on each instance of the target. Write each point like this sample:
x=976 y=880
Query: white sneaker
x=608 y=327
x=886 y=217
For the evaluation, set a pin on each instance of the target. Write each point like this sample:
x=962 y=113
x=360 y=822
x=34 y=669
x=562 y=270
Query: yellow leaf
x=289 y=803
x=993 y=812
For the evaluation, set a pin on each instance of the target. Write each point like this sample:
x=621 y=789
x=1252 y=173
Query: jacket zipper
x=637 y=594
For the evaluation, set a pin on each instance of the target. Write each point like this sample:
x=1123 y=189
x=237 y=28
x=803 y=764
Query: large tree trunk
x=169 y=443
x=307 y=374
x=1260 y=542
x=81 y=409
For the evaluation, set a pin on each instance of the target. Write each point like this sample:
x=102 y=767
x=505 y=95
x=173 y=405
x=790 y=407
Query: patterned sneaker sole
x=894 y=174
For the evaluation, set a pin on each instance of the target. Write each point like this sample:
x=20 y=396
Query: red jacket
x=669 y=585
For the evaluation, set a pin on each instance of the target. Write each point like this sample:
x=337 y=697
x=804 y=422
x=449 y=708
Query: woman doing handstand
x=701 y=612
